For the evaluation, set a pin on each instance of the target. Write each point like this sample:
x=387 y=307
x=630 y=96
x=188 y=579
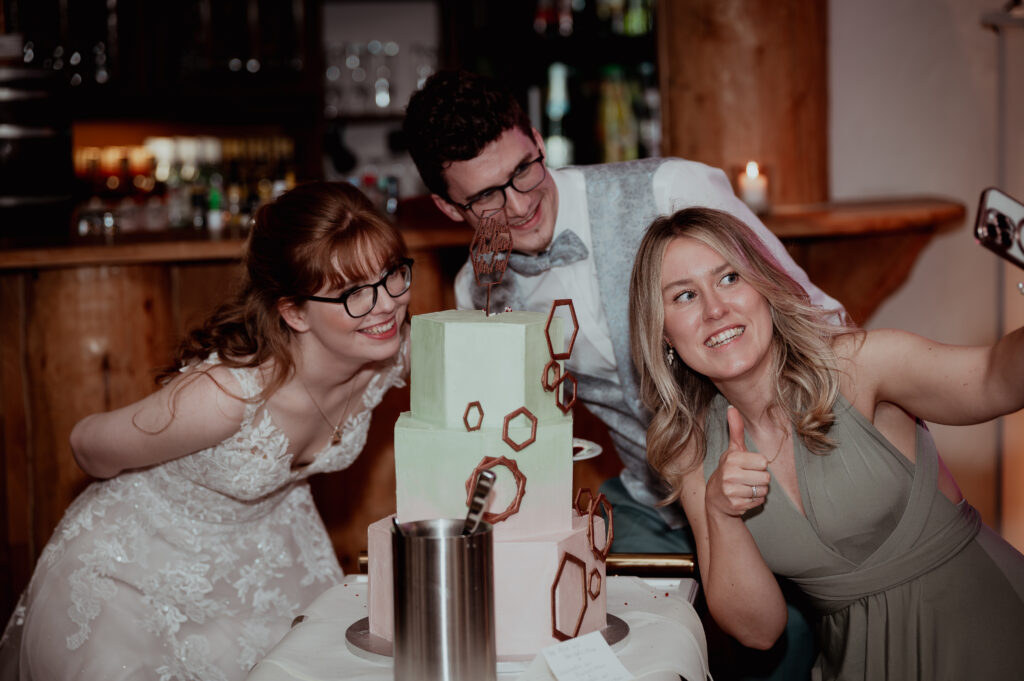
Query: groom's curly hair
x=453 y=117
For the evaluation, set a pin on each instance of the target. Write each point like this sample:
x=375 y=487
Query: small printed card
x=587 y=657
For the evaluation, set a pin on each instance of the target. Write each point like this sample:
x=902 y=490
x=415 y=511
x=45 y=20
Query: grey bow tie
x=567 y=248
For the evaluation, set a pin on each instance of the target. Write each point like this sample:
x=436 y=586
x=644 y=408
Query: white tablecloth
x=666 y=640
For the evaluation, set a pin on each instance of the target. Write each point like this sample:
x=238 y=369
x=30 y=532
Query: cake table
x=665 y=643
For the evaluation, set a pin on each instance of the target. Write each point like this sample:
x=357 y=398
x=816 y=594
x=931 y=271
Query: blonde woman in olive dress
x=798 y=450
x=190 y=557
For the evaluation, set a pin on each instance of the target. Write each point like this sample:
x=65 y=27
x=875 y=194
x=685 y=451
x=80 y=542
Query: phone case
x=1000 y=225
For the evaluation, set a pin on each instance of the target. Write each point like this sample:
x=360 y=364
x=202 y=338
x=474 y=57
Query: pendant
x=335 y=437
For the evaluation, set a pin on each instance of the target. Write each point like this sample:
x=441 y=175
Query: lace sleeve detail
x=248 y=381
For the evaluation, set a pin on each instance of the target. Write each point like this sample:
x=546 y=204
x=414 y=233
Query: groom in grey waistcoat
x=575 y=232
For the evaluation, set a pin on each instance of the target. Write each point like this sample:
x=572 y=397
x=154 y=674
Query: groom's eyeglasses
x=525 y=179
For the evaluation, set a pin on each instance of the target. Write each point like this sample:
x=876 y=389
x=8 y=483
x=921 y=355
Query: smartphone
x=1000 y=225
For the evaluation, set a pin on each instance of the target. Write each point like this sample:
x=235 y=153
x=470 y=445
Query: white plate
x=588 y=449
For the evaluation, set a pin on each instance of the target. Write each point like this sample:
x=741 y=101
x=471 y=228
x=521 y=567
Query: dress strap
x=248 y=381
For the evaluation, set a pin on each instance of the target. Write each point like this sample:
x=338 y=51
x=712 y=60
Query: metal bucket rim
x=439 y=528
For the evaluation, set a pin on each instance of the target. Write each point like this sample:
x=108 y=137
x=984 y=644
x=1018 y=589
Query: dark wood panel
x=17 y=551
x=197 y=289
x=93 y=335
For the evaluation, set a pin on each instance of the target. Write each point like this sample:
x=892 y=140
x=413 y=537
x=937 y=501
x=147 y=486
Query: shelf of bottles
x=607 y=47
x=188 y=185
x=586 y=70
x=366 y=87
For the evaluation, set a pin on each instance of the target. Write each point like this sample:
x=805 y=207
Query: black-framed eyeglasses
x=525 y=179
x=360 y=300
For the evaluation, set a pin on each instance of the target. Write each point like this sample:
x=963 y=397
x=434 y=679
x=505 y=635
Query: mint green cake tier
x=461 y=357
x=433 y=464
x=464 y=356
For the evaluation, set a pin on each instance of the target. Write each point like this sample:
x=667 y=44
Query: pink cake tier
x=531 y=609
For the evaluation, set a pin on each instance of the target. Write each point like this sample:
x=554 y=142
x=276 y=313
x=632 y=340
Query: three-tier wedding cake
x=490 y=392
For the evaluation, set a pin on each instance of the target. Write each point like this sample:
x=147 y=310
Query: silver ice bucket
x=444 y=602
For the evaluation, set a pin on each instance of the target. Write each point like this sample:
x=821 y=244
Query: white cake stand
x=586 y=449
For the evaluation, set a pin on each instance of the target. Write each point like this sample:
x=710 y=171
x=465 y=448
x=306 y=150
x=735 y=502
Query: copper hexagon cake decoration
x=486 y=464
x=575 y=328
x=594 y=585
x=519 y=446
x=488 y=252
x=566 y=407
x=547 y=380
x=568 y=559
x=600 y=553
x=583 y=508
x=473 y=406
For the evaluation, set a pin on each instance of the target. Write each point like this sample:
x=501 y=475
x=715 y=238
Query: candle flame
x=752 y=169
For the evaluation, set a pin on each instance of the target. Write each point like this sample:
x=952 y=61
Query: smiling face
x=530 y=216
x=719 y=325
x=353 y=341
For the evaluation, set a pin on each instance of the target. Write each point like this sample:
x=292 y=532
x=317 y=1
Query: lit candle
x=753 y=187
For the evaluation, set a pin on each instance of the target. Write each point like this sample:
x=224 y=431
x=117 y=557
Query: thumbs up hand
x=741 y=480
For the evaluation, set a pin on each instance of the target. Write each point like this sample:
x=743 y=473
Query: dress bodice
x=243 y=476
x=905 y=583
x=854 y=497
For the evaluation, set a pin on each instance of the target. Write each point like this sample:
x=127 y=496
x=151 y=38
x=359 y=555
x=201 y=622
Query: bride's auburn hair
x=802 y=359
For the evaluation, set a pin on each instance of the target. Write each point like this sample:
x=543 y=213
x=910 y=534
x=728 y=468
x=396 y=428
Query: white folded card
x=585 y=658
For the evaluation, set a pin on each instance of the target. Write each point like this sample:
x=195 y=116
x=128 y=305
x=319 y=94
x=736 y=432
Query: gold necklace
x=335 y=427
x=778 y=451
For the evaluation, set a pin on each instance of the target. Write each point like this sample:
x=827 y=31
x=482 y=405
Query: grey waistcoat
x=620 y=206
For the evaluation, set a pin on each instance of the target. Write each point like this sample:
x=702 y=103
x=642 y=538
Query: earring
x=671 y=355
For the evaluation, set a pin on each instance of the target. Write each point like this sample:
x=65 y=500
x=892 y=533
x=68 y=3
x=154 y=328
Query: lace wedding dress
x=189 y=570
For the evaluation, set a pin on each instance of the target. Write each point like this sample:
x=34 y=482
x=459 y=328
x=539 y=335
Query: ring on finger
x=753 y=491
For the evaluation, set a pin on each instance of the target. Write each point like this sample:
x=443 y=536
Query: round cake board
x=376 y=649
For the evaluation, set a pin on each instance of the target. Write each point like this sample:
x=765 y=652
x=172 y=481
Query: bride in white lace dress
x=189 y=560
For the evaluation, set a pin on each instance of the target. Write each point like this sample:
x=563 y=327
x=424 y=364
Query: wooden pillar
x=746 y=80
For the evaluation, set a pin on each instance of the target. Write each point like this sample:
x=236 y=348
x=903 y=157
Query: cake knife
x=484 y=482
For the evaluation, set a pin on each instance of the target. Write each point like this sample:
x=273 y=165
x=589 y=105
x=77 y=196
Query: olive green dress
x=906 y=584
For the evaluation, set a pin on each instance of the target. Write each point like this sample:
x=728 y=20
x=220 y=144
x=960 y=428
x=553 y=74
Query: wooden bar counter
x=82 y=327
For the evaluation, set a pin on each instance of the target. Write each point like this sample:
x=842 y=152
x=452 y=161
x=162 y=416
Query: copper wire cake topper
x=488 y=251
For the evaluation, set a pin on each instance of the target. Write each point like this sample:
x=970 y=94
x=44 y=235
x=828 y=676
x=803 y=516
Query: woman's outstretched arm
x=191 y=412
x=949 y=384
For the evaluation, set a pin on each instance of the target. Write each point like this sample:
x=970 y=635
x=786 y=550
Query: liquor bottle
x=617 y=122
x=214 y=209
x=544 y=17
x=147 y=194
x=637 y=18
x=236 y=218
x=181 y=174
x=89 y=212
x=559 y=147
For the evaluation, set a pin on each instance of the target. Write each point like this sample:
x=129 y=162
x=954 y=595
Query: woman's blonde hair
x=802 y=359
